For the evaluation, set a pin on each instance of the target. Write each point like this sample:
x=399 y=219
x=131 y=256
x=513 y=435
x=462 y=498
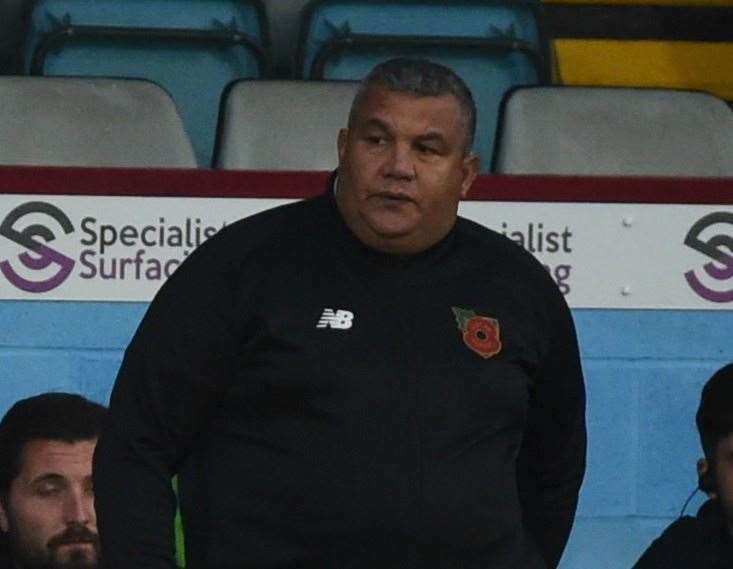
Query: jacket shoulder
x=683 y=545
x=503 y=249
x=501 y=256
x=272 y=223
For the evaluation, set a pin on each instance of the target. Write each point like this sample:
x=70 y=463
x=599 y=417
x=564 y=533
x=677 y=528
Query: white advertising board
x=96 y=248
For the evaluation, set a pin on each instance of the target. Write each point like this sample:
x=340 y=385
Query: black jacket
x=702 y=542
x=324 y=409
x=5 y=560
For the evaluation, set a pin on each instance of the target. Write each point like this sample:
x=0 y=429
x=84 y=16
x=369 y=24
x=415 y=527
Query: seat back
x=494 y=45
x=193 y=49
x=615 y=131
x=283 y=125
x=50 y=121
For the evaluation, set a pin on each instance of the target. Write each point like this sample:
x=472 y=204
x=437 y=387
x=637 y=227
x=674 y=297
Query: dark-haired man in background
x=46 y=495
x=358 y=381
x=705 y=541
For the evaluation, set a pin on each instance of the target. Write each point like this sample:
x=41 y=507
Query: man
x=705 y=541
x=46 y=495
x=361 y=380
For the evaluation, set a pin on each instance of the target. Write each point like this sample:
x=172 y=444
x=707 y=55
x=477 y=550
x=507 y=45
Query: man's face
x=724 y=476
x=403 y=170
x=49 y=512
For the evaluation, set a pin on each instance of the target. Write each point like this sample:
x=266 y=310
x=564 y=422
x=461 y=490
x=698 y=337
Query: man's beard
x=75 y=559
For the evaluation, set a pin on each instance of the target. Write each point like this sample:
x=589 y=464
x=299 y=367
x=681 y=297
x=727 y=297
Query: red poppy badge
x=480 y=334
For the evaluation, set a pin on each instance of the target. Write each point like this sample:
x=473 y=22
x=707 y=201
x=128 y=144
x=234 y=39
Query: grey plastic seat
x=50 y=121
x=283 y=125
x=616 y=132
x=193 y=49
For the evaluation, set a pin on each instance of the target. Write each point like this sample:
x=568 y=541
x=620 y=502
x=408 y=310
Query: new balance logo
x=336 y=319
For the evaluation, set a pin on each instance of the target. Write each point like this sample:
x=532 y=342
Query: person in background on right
x=705 y=541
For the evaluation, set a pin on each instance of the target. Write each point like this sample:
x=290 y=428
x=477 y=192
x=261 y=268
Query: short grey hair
x=422 y=78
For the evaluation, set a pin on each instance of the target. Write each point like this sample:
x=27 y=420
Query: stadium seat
x=493 y=44
x=53 y=121
x=192 y=48
x=283 y=125
x=614 y=131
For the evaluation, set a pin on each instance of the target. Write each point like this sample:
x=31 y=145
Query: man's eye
x=425 y=149
x=375 y=139
x=47 y=490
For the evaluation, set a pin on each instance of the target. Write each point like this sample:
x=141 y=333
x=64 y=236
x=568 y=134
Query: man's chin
x=390 y=230
x=75 y=556
x=75 y=563
x=82 y=562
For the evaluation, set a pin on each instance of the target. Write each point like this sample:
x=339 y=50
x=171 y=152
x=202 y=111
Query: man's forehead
x=382 y=99
x=725 y=445
x=393 y=109
x=41 y=456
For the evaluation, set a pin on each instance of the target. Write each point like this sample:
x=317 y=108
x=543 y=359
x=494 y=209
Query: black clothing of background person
x=701 y=542
x=5 y=560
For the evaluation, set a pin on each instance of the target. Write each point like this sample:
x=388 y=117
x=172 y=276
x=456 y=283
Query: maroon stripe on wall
x=261 y=184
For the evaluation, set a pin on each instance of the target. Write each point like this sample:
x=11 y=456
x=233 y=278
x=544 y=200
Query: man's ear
x=341 y=144
x=702 y=466
x=471 y=165
x=4 y=526
x=706 y=479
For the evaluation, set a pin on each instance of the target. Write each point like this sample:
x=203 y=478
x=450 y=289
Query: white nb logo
x=336 y=319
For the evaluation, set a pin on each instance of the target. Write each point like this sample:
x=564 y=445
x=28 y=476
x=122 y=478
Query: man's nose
x=401 y=164
x=78 y=508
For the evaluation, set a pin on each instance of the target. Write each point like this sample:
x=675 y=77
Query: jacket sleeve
x=655 y=557
x=177 y=367
x=551 y=463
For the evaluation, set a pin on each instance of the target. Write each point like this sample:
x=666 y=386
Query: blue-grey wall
x=644 y=370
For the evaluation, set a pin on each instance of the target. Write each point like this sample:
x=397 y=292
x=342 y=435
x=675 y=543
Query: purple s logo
x=34 y=238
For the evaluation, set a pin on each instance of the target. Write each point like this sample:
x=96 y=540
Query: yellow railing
x=674 y=64
x=697 y=65
x=647 y=2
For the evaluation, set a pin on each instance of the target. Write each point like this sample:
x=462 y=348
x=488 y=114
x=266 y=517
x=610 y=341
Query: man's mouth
x=75 y=536
x=393 y=196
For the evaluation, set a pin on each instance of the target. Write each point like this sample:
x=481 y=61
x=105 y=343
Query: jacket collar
x=715 y=525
